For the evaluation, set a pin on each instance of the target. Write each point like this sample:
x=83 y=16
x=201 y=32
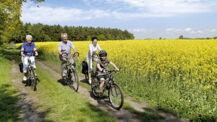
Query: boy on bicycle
x=102 y=68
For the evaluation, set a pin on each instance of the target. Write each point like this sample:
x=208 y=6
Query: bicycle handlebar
x=111 y=71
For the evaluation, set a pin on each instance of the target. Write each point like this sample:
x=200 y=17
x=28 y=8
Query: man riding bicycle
x=27 y=52
x=64 y=50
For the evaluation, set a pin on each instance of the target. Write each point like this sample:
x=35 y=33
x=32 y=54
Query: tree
x=10 y=13
x=181 y=37
x=101 y=37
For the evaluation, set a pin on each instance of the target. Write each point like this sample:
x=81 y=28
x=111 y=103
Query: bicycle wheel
x=116 y=96
x=74 y=81
x=33 y=80
x=28 y=81
x=95 y=88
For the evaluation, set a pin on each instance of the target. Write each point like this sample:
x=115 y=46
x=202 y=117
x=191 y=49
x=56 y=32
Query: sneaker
x=90 y=81
x=24 y=78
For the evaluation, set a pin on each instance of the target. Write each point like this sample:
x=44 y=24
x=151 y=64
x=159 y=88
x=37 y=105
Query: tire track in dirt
x=122 y=115
x=29 y=111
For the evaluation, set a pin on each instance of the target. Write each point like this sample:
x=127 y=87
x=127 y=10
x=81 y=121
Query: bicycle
x=115 y=93
x=72 y=79
x=31 y=79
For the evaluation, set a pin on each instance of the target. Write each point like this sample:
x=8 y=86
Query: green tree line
x=45 y=33
x=10 y=12
x=13 y=29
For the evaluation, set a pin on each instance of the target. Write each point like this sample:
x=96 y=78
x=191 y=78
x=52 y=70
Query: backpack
x=84 y=67
x=21 y=67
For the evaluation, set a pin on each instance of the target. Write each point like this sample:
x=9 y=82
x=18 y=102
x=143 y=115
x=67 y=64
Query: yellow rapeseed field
x=177 y=75
x=195 y=61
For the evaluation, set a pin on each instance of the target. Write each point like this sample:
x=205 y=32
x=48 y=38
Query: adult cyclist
x=64 y=50
x=28 y=52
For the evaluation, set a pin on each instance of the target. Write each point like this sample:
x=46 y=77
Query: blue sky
x=144 y=18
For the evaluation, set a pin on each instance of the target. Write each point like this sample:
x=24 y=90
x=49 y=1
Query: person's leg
x=102 y=80
x=32 y=59
x=71 y=61
x=63 y=64
x=90 y=68
x=25 y=65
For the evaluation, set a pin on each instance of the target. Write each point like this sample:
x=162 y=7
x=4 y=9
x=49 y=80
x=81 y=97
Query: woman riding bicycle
x=27 y=52
x=102 y=68
x=91 y=56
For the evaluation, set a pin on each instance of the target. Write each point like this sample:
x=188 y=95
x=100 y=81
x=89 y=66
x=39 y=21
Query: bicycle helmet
x=102 y=52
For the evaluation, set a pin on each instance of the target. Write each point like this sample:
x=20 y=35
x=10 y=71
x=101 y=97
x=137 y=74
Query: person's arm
x=36 y=52
x=91 y=50
x=99 y=67
x=59 y=49
x=116 y=68
x=74 y=49
x=98 y=47
x=22 y=50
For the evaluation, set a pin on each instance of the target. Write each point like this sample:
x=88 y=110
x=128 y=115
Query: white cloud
x=143 y=33
x=45 y=14
x=171 y=6
x=143 y=9
x=139 y=30
x=191 y=31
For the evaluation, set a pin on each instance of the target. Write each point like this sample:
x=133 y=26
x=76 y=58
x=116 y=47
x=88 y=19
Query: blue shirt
x=28 y=49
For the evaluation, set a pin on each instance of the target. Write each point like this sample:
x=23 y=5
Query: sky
x=144 y=18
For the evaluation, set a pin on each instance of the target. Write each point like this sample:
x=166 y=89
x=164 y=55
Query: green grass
x=63 y=103
x=57 y=102
x=148 y=114
x=9 y=112
x=51 y=60
x=170 y=96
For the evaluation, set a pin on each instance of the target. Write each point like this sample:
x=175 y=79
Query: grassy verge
x=169 y=96
x=64 y=104
x=60 y=103
x=9 y=111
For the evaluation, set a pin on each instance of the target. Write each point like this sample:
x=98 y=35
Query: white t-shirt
x=93 y=48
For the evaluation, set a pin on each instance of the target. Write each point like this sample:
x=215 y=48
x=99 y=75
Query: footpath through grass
x=65 y=104
x=9 y=112
x=165 y=95
x=60 y=102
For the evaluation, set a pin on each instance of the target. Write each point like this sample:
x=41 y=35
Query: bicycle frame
x=29 y=69
x=108 y=82
x=69 y=69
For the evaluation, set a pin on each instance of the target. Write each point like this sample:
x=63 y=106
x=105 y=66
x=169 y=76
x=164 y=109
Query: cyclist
x=102 y=68
x=64 y=50
x=28 y=50
x=91 y=56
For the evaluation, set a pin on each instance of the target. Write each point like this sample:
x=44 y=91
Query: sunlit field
x=177 y=75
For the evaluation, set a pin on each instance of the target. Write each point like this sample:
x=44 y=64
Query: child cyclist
x=102 y=68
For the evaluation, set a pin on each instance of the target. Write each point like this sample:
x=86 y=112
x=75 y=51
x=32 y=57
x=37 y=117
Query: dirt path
x=30 y=112
x=122 y=115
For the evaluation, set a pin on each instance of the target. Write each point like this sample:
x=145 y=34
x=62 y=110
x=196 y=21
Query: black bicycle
x=31 y=79
x=72 y=78
x=115 y=93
